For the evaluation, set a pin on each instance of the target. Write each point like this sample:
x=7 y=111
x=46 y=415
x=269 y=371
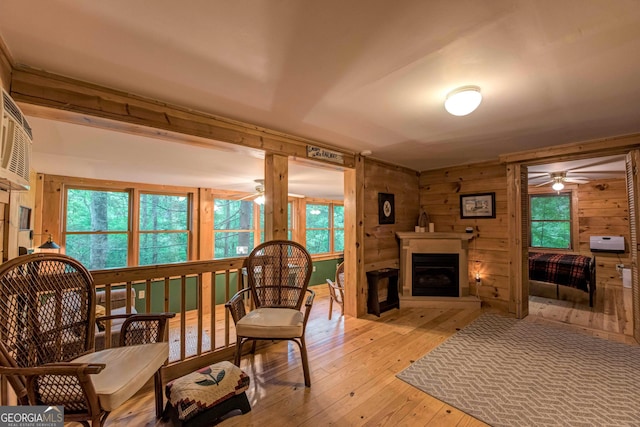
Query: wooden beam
x=56 y=97
x=517 y=217
x=601 y=147
x=355 y=299
x=276 y=189
x=6 y=66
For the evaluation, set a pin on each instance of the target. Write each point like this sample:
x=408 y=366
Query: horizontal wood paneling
x=380 y=243
x=440 y=192
x=603 y=209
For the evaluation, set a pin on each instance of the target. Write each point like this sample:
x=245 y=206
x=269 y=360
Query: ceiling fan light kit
x=463 y=100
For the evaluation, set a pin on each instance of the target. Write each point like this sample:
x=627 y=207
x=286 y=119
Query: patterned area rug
x=508 y=372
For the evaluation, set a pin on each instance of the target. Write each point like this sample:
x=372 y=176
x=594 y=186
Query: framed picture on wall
x=24 y=218
x=386 y=209
x=481 y=205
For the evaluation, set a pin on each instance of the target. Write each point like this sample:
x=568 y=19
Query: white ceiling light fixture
x=463 y=101
x=558 y=185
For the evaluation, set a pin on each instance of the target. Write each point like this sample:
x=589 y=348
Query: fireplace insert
x=435 y=275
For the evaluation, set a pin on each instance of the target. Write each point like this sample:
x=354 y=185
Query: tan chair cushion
x=271 y=323
x=127 y=370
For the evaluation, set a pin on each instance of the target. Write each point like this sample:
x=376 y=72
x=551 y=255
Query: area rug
x=509 y=372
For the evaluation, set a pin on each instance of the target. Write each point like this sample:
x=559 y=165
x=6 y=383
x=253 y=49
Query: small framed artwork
x=24 y=218
x=481 y=205
x=386 y=209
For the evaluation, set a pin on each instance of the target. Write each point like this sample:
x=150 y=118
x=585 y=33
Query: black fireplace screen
x=435 y=275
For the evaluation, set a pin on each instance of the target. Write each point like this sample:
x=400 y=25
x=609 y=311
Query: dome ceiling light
x=463 y=101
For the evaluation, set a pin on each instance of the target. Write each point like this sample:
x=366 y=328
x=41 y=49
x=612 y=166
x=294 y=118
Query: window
x=163 y=229
x=338 y=228
x=233 y=228
x=289 y=221
x=551 y=220
x=96 y=229
x=325 y=228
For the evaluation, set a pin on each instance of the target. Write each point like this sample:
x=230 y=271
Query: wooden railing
x=202 y=328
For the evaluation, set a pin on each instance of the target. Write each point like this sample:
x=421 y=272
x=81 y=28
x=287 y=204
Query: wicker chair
x=47 y=328
x=278 y=274
x=336 y=290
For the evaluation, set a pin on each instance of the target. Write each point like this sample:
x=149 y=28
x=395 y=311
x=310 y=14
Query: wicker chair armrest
x=307 y=307
x=236 y=305
x=52 y=383
x=73 y=369
x=309 y=302
x=144 y=328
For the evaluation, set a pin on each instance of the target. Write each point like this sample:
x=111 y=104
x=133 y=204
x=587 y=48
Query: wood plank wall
x=603 y=210
x=381 y=247
x=440 y=192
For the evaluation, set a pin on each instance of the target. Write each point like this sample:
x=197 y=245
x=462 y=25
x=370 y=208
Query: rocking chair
x=47 y=328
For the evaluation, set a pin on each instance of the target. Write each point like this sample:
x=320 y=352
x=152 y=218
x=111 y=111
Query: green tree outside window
x=164 y=234
x=551 y=221
x=233 y=228
x=97 y=227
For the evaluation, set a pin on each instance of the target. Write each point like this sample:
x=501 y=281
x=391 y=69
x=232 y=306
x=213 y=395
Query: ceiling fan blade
x=249 y=196
x=607 y=172
x=600 y=162
x=580 y=180
x=538 y=176
x=544 y=183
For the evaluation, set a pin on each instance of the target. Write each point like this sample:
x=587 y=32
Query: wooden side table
x=374 y=306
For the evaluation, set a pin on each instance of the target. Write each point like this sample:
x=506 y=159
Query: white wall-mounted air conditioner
x=15 y=152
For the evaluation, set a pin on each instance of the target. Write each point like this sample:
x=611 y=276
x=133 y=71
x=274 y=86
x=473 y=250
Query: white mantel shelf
x=437 y=235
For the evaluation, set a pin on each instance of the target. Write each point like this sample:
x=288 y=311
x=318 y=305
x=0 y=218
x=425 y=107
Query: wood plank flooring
x=610 y=317
x=353 y=364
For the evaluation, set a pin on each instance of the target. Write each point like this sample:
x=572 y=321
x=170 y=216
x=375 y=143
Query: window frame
x=255 y=226
x=331 y=229
x=188 y=230
x=572 y=191
x=257 y=229
x=127 y=232
x=133 y=231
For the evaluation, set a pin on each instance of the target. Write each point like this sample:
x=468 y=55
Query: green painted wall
x=157 y=293
x=324 y=270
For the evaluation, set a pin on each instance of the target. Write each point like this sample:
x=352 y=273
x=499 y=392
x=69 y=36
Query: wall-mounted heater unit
x=15 y=152
x=614 y=244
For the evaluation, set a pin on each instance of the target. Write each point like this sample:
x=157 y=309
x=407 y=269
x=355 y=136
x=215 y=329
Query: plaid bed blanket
x=561 y=269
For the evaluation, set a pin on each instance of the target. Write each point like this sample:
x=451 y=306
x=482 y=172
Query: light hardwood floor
x=353 y=365
x=354 y=362
x=610 y=317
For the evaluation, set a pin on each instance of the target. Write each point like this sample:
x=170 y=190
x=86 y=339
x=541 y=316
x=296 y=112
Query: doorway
x=589 y=198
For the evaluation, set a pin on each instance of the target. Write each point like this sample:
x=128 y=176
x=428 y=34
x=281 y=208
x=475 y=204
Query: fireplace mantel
x=433 y=243
x=412 y=235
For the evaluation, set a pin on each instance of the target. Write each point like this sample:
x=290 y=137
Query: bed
x=576 y=271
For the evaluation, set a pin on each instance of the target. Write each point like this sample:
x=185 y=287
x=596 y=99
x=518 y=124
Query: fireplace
x=442 y=276
x=435 y=275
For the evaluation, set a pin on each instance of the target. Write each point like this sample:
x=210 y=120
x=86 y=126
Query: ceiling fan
x=579 y=171
x=557 y=179
x=258 y=196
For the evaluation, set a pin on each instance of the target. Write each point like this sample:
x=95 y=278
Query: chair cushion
x=128 y=369
x=271 y=323
x=205 y=388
